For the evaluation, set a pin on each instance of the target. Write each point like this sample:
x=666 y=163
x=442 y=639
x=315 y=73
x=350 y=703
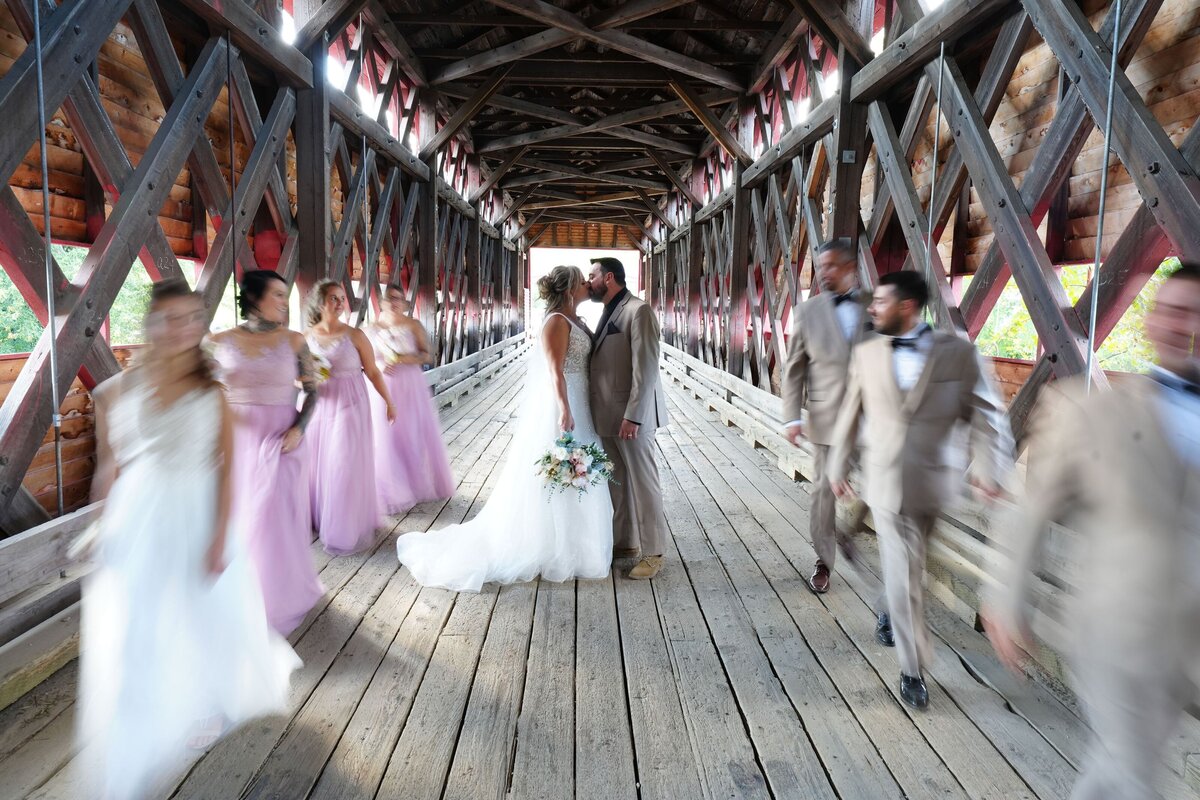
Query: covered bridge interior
x=430 y=145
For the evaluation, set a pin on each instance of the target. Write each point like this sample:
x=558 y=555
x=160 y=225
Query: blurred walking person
x=345 y=505
x=825 y=330
x=260 y=362
x=411 y=464
x=175 y=645
x=1121 y=467
x=913 y=385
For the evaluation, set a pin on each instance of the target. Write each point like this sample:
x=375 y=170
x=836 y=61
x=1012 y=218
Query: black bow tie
x=904 y=344
x=848 y=297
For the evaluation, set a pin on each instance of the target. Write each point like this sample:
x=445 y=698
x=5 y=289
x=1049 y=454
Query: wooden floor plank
x=544 y=763
x=484 y=753
x=982 y=770
x=666 y=767
x=846 y=752
x=604 y=768
x=910 y=759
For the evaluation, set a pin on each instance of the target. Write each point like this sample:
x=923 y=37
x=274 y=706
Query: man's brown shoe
x=819 y=580
x=647 y=568
x=626 y=552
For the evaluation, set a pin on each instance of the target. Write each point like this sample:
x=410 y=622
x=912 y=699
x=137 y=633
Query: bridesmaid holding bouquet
x=411 y=465
x=345 y=510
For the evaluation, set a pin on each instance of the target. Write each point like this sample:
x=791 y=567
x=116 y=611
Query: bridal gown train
x=167 y=651
x=524 y=530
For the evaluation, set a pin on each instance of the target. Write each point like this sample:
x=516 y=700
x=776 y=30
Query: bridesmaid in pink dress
x=411 y=465
x=345 y=509
x=260 y=363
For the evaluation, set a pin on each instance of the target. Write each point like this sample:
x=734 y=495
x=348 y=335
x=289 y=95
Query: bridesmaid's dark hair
x=253 y=287
x=173 y=289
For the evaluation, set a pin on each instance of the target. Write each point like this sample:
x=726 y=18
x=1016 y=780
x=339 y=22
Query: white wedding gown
x=524 y=530
x=167 y=652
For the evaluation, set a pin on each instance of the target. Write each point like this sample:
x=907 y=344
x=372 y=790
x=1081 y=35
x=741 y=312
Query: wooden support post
x=313 y=219
x=849 y=156
x=739 y=263
x=474 y=278
x=422 y=290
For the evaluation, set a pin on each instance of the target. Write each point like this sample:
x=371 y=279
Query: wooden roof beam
x=254 y=36
x=626 y=180
x=719 y=132
x=548 y=40
x=624 y=42
x=498 y=173
x=331 y=17
x=466 y=112
x=679 y=182
x=835 y=27
x=394 y=44
x=783 y=43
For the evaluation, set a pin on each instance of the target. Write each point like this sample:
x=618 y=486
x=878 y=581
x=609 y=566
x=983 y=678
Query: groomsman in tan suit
x=1122 y=468
x=627 y=407
x=825 y=331
x=913 y=385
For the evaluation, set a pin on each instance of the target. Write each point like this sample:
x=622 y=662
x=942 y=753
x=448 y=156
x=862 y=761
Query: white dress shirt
x=909 y=362
x=1180 y=415
x=849 y=315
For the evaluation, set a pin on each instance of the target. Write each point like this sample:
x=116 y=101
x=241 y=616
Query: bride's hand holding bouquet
x=570 y=464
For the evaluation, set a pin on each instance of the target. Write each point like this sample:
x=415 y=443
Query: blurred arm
x=644 y=341
x=795 y=373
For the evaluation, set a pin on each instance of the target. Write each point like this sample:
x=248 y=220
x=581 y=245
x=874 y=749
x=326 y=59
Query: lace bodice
x=579 y=348
x=182 y=437
x=398 y=339
x=340 y=353
x=264 y=378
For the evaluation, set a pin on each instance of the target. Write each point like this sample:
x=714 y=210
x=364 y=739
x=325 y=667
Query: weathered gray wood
x=349 y=227
x=256 y=37
x=544 y=762
x=313 y=139
x=26 y=412
x=393 y=43
x=914 y=123
x=728 y=141
x=1057 y=324
x=604 y=764
x=817 y=124
x=835 y=27
x=465 y=112
x=330 y=19
x=1162 y=175
x=380 y=231
x=351 y=116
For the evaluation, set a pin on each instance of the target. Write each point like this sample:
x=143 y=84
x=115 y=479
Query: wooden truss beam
x=781 y=45
x=548 y=40
x=353 y=118
x=466 y=112
x=835 y=27
x=394 y=44
x=679 y=182
x=497 y=174
x=626 y=43
x=26 y=413
x=1057 y=324
x=702 y=112
x=256 y=37
x=381 y=229
x=331 y=18
x=817 y=124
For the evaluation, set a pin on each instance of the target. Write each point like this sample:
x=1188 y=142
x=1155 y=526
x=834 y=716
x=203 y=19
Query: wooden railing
x=40 y=585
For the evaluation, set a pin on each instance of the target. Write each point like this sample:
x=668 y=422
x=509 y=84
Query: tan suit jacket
x=1104 y=466
x=815 y=377
x=908 y=462
x=624 y=370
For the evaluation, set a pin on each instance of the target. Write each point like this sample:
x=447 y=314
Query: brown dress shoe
x=819 y=580
x=626 y=552
x=647 y=568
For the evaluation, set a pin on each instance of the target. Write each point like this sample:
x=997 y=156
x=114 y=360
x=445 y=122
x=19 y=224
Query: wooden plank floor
x=723 y=678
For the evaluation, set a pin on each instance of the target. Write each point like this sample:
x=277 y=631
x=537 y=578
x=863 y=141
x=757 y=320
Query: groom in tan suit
x=913 y=385
x=627 y=407
x=825 y=330
x=1122 y=468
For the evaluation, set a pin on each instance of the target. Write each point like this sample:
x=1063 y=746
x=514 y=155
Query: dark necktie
x=904 y=344
x=838 y=299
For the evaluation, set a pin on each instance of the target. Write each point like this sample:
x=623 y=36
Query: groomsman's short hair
x=612 y=266
x=841 y=248
x=907 y=285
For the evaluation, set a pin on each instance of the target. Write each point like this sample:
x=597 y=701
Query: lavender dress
x=270 y=487
x=411 y=465
x=342 y=483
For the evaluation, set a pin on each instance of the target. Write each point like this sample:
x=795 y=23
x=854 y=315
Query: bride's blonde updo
x=557 y=287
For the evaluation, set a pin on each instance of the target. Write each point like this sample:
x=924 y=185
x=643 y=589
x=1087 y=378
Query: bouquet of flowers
x=391 y=344
x=321 y=366
x=570 y=464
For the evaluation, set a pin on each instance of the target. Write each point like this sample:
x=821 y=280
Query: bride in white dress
x=175 y=646
x=525 y=530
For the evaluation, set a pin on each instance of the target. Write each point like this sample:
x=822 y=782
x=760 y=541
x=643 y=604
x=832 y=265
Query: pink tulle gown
x=270 y=487
x=411 y=465
x=342 y=484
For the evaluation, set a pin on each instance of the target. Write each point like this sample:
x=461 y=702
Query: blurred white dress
x=524 y=530
x=167 y=652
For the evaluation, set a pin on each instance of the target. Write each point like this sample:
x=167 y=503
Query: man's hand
x=629 y=430
x=794 y=433
x=842 y=489
x=1010 y=645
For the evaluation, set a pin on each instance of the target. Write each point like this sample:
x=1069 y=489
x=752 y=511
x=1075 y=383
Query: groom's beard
x=594 y=295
